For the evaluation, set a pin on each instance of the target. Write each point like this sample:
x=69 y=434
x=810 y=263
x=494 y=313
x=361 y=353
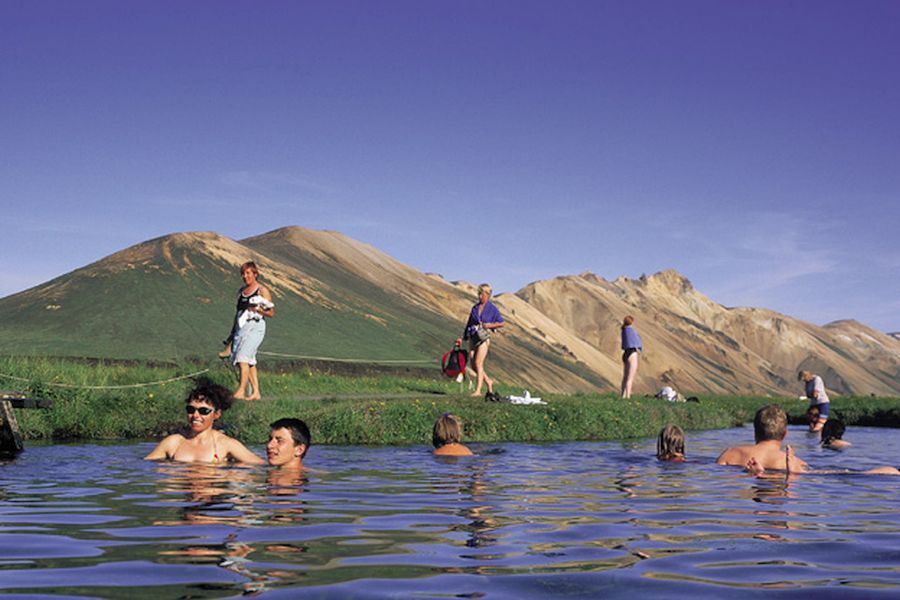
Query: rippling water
x=573 y=520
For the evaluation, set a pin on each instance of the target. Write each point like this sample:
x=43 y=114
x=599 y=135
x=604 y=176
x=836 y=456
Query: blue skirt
x=247 y=341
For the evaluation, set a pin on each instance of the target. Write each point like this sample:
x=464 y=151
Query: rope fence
x=195 y=374
x=108 y=387
x=419 y=361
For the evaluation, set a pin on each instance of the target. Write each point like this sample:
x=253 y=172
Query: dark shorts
x=474 y=343
x=823 y=409
x=628 y=352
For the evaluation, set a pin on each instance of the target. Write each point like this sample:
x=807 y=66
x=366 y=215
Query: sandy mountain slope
x=336 y=297
x=695 y=344
x=347 y=265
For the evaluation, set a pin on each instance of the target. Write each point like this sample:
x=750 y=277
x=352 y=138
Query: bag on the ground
x=453 y=363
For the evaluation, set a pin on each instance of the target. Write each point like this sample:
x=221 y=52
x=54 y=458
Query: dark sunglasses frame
x=203 y=410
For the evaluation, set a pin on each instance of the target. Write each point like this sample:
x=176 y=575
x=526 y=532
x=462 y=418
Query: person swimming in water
x=289 y=440
x=833 y=434
x=769 y=431
x=201 y=442
x=446 y=435
x=670 y=444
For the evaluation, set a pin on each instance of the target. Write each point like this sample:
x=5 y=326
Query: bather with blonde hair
x=446 y=436
x=484 y=320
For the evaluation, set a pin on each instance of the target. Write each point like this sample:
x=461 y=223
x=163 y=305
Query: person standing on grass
x=814 y=388
x=484 y=319
x=631 y=345
x=251 y=333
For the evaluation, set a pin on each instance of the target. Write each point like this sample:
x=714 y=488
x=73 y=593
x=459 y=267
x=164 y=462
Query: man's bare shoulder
x=736 y=455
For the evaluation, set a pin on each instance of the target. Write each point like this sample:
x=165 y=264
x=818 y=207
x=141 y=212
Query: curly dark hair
x=833 y=430
x=205 y=390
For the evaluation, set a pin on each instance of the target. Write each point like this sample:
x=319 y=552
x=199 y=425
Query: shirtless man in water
x=769 y=429
x=289 y=440
x=200 y=442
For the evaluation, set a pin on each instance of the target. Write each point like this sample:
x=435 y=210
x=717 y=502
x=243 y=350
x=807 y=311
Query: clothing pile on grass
x=669 y=394
x=525 y=398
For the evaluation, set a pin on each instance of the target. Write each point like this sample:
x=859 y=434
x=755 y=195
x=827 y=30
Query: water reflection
x=243 y=499
x=578 y=520
x=469 y=486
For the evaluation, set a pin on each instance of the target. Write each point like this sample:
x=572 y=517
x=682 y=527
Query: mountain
x=695 y=344
x=173 y=297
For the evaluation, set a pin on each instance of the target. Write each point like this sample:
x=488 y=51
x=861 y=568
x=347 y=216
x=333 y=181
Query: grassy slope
x=160 y=313
x=149 y=412
x=180 y=304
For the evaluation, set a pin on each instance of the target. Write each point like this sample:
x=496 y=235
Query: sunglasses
x=203 y=410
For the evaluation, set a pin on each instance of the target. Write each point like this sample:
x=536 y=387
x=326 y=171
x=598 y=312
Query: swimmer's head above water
x=670 y=443
x=289 y=440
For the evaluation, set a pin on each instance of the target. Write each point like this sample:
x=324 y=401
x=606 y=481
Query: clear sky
x=752 y=146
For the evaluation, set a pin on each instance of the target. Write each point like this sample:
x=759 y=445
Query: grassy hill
x=174 y=297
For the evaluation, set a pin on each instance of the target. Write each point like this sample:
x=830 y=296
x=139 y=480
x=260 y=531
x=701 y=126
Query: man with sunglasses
x=200 y=442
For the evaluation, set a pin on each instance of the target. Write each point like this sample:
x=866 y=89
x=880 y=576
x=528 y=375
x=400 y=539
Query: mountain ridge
x=173 y=297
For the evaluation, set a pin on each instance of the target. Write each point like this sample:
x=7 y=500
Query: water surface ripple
x=572 y=520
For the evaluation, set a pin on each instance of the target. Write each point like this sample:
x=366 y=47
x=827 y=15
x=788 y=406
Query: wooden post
x=10 y=439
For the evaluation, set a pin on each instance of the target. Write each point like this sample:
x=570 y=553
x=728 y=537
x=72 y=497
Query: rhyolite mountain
x=173 y=298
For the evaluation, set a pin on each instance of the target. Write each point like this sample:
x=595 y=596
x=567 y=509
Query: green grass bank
x=102 y=400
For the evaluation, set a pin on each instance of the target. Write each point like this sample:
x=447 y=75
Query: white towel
x=252 y=315
x=525 y=399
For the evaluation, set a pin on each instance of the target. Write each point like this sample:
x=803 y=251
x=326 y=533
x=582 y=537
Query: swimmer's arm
x=884 y=471
x=240 y=453
x=792 y=463
x=165 y=449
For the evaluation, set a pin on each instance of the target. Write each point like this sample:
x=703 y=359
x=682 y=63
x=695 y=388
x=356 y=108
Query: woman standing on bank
x=254 y=303
x=631 y=345
x=484 y=318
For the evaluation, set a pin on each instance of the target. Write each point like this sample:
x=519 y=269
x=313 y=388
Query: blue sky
x=752 y=146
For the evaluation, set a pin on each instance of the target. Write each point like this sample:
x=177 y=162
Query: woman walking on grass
x=484 y=318
x=254 y=305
